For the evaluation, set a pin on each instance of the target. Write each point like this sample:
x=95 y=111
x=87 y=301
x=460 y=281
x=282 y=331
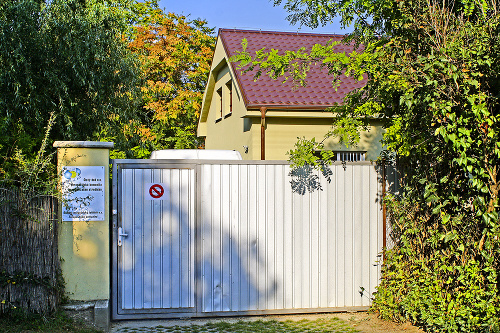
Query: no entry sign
x=156 y=191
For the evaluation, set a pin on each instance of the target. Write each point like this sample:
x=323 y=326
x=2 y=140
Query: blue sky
x=250 y=14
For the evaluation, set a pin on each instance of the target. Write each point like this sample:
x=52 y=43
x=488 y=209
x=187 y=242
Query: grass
x=17 y=322
x=333 y=325
x=60 y=322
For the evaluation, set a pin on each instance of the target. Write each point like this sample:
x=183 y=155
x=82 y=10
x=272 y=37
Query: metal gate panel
x=265 y=248
x=234 y=238
x=156 y=259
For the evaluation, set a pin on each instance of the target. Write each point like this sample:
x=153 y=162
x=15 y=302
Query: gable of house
x=231 y=116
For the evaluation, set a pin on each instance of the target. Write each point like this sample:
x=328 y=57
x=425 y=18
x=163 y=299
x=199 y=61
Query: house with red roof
x=263 y=118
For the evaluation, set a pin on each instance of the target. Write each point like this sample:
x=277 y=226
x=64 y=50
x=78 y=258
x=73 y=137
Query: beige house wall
x=229 y=131
x=283 y=133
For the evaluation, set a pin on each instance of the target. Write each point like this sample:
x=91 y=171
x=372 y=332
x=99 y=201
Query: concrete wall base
x=92 y=313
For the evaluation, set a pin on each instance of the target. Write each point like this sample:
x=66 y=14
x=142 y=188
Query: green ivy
x=439 y=274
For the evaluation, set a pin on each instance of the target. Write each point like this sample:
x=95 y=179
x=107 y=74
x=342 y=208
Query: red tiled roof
x=317 y=94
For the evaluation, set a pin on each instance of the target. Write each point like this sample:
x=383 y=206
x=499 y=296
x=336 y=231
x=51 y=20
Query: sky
x=249 y=14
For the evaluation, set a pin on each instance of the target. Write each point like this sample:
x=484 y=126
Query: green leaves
x=63 y=57
x=73 y=58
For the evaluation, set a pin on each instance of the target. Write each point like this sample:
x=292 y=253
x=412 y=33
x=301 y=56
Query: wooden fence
x=30 y=276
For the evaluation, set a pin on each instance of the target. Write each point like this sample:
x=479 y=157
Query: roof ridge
x=279 y=32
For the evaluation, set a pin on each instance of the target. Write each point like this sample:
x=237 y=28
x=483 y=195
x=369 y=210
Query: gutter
x=288 y=107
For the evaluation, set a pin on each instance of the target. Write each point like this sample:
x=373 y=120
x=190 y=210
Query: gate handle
x=120 y=235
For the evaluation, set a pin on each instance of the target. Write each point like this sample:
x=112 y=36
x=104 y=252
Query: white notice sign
x=83 y=193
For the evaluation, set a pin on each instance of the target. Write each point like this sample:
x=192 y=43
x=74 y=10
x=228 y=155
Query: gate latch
x=120 y=235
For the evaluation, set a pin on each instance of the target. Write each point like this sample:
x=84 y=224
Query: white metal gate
x=232 y=238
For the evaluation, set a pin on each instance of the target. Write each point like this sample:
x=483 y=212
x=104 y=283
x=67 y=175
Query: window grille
x=349 y=156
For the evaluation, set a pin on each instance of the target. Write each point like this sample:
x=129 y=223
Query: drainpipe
x=263 y=133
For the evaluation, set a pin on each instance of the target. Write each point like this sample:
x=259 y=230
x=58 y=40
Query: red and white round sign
x=156 y=191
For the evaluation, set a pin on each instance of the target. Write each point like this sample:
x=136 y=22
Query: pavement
x=324 y=322
x=214 y=324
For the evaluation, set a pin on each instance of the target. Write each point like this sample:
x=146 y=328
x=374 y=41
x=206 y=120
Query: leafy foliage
x=66 y=58
x=438 y=275
x=175 y=55
x=33 y=175
x=433 y=80
x=118 y=70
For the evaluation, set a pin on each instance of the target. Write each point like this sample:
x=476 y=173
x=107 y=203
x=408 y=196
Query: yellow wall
x=282 y=134
x=84 y=246
x=229 y=131
x=232 y=132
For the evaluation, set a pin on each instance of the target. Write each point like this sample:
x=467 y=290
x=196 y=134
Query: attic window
x=229 y=99
x=219 y=93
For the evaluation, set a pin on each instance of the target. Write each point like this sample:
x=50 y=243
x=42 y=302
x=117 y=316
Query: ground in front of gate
x=331 y=323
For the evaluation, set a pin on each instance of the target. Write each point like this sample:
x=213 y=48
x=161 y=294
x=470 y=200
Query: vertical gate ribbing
x=259 y=247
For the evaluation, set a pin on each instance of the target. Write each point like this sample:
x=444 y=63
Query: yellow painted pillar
x=84 y=235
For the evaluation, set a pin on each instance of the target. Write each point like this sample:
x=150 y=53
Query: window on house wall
x=219 y=94
x=229 y=98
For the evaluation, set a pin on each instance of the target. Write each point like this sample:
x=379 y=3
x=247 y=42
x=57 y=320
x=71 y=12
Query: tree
x=433 y=79
x=66 y=58
x=175 y=55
